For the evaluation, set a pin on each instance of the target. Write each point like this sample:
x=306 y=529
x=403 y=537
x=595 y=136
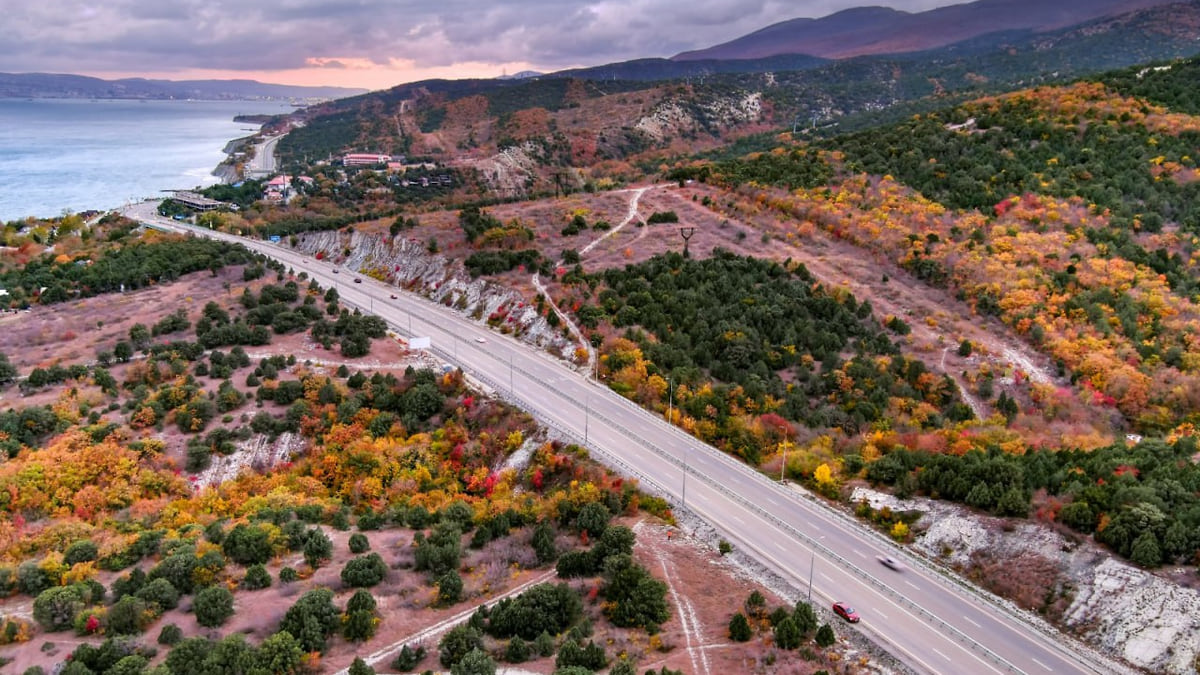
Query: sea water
x=72 y=155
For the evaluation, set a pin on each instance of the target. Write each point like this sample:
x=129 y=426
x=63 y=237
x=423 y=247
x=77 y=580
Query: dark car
x=358 y=281
x=845 y=611
x=393 y=296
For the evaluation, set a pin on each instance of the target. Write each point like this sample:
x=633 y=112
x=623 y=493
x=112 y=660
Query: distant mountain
x=649 y=70
x=880 y=30
x=522 y=75
x=51 y=85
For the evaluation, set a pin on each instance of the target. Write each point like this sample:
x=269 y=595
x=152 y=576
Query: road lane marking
x=968 y=620
x=881 y=615
x=826 y=577
x=739 y=520
x=859 y=553
x=935 y=651
x=912 y=584
x=1041 y=664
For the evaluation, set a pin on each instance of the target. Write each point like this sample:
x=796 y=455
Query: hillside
x=225 y=468
x=536 y=136
x=880 y=30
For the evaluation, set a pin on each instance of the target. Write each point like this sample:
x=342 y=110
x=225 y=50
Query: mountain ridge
x=63 y=85
x=863 y=31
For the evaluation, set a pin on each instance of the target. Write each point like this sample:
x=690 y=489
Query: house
x=365 y=159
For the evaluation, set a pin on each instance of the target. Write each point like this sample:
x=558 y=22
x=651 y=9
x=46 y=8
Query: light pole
x=683 y=498
x=812 y=561
x=670 y=401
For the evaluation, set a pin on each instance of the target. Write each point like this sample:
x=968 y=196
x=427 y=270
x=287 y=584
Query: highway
x=930 y=620
x=263 y=162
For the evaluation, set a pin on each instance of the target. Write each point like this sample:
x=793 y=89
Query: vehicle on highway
x=481 y=340
x=335 y=270
x=845 y=611
x=392 y=296
x=890 y=562
x=357 y=280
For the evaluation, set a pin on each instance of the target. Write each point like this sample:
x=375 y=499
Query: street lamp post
x=812 y=562
x=683 y=498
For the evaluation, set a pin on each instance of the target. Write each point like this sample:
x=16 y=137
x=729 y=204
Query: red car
x=845 y=611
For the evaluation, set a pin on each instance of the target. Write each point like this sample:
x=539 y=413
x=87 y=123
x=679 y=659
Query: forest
x=764 y=347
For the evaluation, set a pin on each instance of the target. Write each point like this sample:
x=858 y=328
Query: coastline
x=227 y=171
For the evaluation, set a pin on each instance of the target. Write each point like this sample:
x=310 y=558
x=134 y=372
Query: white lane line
x=781 y=547
x=859 y=553
x=912 y=584
x=739 y=520
x=968 y=620
x=940 y=654
x=826 y=577
x=1041 y=664
x=881 y=615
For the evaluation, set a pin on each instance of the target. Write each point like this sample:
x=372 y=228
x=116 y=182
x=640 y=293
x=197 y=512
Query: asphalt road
x=263 y=162
x=930 y=620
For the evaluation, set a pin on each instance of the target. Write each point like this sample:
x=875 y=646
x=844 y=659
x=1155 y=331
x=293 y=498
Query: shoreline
x=227 y=172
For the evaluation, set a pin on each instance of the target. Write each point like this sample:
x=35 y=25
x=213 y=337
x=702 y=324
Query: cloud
x=256 y=35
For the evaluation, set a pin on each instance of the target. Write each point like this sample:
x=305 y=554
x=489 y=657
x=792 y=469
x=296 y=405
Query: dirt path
x=636 y=195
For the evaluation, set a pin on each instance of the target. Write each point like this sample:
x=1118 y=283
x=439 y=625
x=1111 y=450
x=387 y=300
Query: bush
x=170 y=635
x=408 y=658
x=359 y=543
x=318 y=548
x=360 y=667
x=474 y=662
x=544 y=644
x=739 y=628
x=247 y=545
x=543 y=543
x=81 y=551
x=635 y=598
x=360 y=621
x=593 y=518
x=805 y=618
x=159 y=593
x=128 y=616
x=545 y=608
x=450 y=587
x=365 y=571
x=825 y=636
x=456 y=643
x=287 y=575
x=312 y=619
x=256 y=577
x=213 y=606
x=787 y=635
x=517 y=650
x=590 y=656
x=55 y=608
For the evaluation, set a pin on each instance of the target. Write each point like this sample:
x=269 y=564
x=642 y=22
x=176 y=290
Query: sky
x=374 y=44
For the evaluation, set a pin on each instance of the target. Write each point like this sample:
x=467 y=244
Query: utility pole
x=671 y=401
x=812 y=561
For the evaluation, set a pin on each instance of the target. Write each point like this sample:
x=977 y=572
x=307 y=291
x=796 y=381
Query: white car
x=481 y=340
x=890 y=563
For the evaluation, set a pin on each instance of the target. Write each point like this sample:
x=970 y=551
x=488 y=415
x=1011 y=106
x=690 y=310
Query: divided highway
x=932 y=622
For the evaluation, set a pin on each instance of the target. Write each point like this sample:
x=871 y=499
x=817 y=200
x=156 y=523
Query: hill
x=880 y=30
x=51 y=85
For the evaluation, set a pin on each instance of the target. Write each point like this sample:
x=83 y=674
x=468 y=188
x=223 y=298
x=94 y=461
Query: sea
x=62 y=156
